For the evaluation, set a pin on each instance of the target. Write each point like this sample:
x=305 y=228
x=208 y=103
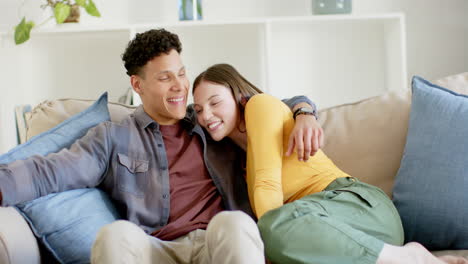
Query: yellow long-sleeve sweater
x=272 y=178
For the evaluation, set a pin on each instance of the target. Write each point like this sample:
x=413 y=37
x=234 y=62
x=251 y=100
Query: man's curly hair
x=145 y=46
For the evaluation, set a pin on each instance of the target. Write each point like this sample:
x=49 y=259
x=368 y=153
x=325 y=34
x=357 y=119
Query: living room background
x=436 y=37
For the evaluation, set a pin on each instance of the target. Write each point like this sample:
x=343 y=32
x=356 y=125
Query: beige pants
x=231 y=237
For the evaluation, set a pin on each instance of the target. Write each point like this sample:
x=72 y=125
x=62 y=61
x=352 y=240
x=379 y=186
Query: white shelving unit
x=336 y=59
x=332 y=59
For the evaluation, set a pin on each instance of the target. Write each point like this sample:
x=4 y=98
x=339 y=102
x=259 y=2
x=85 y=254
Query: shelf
x=328 y=49
x=335 y=61
x=64 y=28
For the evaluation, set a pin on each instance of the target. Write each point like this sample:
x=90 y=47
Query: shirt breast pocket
x=132 y=174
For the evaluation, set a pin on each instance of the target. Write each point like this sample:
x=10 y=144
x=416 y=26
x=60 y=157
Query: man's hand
x=307 y=137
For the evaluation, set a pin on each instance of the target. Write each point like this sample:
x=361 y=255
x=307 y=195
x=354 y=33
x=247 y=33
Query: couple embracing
x=236 y=156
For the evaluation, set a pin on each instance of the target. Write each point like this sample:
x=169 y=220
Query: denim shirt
x=129 y=162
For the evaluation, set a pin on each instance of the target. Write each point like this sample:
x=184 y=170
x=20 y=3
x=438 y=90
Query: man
x=171 y=181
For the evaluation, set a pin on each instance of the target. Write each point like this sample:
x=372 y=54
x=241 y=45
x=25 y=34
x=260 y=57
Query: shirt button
x=161 y=224
x=164 y=196
x=160 y=145
x=163 y=168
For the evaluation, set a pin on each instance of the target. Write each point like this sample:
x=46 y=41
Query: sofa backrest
x=366 y=139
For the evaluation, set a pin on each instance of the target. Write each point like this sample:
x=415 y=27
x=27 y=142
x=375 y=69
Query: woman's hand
x=307 y=137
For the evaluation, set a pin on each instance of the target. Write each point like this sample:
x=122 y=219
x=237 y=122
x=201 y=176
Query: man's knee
x=119 y=229
x=121 y=240
x=232 y=221
x=234 y=235
x=119 y=233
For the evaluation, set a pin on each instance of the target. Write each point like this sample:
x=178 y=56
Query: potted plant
x=64 y=11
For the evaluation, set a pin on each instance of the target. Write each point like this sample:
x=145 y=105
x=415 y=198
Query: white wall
x=437 y=30
x=11 y=89
x=437 y=33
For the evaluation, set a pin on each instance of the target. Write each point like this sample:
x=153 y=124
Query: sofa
x=366 y=139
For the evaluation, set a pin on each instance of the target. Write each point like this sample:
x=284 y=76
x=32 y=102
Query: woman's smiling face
x=217 y=110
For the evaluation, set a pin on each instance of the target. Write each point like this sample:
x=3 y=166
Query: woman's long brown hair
x=226 y=75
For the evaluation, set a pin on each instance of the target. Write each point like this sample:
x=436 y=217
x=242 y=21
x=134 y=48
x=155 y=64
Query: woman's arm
x=264 y=122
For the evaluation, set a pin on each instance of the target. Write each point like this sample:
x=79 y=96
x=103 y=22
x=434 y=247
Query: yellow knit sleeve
x=264 y=123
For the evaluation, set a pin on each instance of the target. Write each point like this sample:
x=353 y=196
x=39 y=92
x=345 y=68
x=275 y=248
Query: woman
x=311 y=211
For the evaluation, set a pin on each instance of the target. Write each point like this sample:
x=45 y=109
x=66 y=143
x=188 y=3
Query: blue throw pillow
x=431 y=188
x=67 y=223
x=62 y=135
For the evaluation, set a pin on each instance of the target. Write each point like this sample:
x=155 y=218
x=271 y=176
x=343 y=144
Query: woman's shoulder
x=264 y=101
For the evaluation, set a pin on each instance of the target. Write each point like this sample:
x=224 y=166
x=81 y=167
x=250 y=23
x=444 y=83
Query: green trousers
x=348 y=222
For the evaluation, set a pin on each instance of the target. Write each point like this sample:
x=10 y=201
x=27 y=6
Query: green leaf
x=184 y=10
x=22 y=31
x=81 y=3
x=61 y=12
x=199 y=9
x=92 y=10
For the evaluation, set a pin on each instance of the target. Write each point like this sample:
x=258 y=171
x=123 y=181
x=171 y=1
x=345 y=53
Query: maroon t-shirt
x=194 y=197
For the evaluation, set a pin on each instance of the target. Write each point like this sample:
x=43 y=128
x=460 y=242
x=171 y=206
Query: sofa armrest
x=17 y=242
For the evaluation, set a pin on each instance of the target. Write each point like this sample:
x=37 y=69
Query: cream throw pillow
x=51 y=113
x=457 y=83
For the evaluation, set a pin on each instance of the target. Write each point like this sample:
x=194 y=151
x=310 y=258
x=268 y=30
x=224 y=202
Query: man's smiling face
x=163 y=88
